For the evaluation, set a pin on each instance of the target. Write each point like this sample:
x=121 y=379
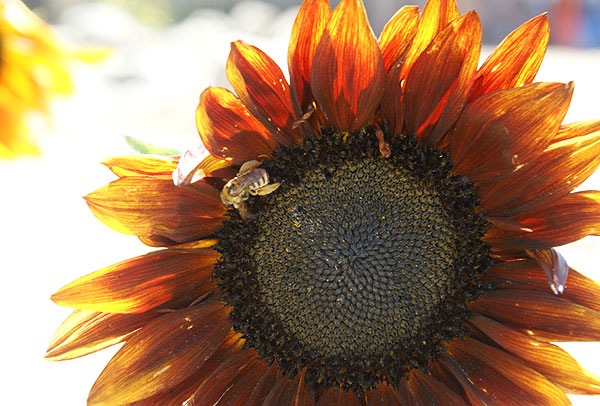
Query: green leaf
x=145 y=148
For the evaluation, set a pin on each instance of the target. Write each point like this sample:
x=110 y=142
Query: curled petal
x=500 y=132
x=573 y=217
x=347 y=75
x=145 y=206
x=85 y=332
x=526 y=274
x=195 y=164
x=516 y=61
x=263 y=89
x=563 y=166
x=491 y=376
x=542 y=315
x=162 y=354
x=397 y=34
x=228 y=130
x=306 y=34
x=434 y=97
x=548 y=359
x=141 y=283
x=554 y=266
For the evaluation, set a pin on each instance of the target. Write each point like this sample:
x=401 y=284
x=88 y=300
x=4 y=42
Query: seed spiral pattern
x=358 y=267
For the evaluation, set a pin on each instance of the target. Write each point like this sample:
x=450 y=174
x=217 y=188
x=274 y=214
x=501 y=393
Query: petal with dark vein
x=500 y=132
x=144 y=206
x=347 y=74
x=228 y=130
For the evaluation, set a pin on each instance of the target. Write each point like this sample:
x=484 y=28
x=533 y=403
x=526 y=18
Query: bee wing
x=247 y=167
x=265 y=190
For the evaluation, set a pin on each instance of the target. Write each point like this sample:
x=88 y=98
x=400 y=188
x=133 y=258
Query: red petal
x=383 y=395
x=573 y=217
x=229 y=376
x=263 y=89
x=516 y=61
x=140 y=284
x=562 y=167
x=290 y=393
x=548 y=359
x=145 y=206
x=338 y=397
x=347 y=75
x=228 y=130
x=491 y=376
x=540 y=314
x=306 y=34
x=85 y=332
x=438 y=83
x=500 y=132
x=397 y=34
x=162 y=354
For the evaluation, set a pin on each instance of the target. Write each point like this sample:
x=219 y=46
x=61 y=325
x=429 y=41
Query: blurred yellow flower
x=34 y=64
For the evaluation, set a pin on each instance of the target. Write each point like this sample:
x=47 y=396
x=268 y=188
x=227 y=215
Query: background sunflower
x=50 y=238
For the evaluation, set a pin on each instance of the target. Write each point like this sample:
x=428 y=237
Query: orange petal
x=436 y=15
x=134 y=165
x=542 y=315
x=397 y=34
x=548 y=359
x=162 y=354
x=438 y=84
x=228 y=130
x=306 y=34
x=85 y=332
x=562 y=167
x=573 y=217
x=491 y=376
x=141 y=283
x=145 y=206
x=195 y=164
x=500 y=132
x=263 y=387
x=263 y=89
x=338 y=397
x=516 y=61
x=347 y=75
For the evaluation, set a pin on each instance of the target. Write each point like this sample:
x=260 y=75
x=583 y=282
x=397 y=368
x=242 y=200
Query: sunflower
x=34 y=65
x=378 y=231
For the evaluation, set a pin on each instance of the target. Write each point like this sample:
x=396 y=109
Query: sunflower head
x=378 y=230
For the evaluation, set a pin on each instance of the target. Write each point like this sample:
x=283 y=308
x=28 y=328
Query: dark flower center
x=358 y=267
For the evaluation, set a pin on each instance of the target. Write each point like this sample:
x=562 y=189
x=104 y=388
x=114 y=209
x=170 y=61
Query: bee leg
x=265 y=190
x=245 y=213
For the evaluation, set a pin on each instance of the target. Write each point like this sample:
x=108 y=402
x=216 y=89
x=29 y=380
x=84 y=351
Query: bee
x=249 y=181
